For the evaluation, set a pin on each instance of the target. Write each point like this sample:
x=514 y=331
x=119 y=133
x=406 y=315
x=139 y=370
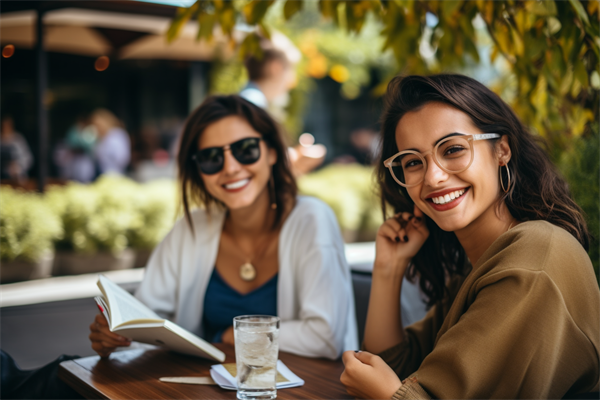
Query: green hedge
x=28 y=226
x=110 y=215
x=349 y=190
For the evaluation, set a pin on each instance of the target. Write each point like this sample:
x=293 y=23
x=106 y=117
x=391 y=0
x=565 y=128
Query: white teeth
x=447 y=198
x=237 y=185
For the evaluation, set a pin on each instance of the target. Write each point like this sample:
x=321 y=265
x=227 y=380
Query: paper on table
x=224 y=376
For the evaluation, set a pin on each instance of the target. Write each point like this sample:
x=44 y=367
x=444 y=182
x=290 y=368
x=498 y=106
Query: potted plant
x=156 y=207
x=96 y=219
x=28 y=229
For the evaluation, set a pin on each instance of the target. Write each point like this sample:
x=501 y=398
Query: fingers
x=366 y=358
x=348 y=356
x=103 y=340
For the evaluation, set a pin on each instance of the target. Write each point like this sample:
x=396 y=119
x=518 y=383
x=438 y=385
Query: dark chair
x=361 y=282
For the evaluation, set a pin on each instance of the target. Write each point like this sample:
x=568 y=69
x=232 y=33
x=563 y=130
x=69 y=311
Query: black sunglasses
x=211 y=160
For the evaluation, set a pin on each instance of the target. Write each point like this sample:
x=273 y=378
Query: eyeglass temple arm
x=484 y=136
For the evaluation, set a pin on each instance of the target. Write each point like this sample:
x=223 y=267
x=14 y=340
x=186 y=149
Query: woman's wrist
x=390 y=270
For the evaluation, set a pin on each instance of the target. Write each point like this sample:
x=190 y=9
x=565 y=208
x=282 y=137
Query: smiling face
x=238 y=186
x=453 y=201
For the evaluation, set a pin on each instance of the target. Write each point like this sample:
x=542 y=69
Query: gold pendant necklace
x=247 y=271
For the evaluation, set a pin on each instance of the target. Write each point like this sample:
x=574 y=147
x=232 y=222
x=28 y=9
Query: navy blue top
x=222 y=303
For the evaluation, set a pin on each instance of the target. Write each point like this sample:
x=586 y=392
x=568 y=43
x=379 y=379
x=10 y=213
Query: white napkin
x=223 y=378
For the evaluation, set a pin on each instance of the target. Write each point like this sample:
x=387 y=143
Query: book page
x=123 y=306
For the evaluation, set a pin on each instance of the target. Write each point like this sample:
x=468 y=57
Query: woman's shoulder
x=311 y=209
x=205 y=224
x=312 y=219
x=538 y=247
x=538 y=236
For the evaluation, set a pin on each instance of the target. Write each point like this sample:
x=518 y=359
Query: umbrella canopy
x=18 y=28
x=185 y=47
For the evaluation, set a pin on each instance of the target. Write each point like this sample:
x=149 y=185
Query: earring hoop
x=507 y=188
x=272 y=194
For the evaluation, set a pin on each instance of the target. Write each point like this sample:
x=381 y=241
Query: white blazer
x=314 y=288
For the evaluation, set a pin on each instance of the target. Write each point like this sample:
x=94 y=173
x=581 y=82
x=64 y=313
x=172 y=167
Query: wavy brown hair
x=213 y=109
x=537 y=191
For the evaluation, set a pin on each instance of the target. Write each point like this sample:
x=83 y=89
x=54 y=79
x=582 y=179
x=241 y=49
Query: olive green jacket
x=525 y=323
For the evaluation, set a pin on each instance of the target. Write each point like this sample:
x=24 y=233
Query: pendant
x=247 y=272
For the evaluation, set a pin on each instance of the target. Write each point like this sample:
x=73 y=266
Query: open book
x=128 y=317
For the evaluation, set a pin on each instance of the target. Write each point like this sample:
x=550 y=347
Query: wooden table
x=133 y=374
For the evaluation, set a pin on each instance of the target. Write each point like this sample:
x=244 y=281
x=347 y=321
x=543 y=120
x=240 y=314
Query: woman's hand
x=398 y=241
x=103 y=340
x=367 y=376
x=227 y=336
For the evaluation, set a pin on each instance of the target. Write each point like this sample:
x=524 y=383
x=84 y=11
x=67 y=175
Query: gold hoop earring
x=507 y=188
x=272 y=194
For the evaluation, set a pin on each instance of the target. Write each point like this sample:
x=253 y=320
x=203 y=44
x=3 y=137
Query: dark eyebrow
x=447 y=136
x=440 y=139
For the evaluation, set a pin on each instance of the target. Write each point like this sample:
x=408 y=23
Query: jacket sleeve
x=324 y=298
x=159 y=288
x=406 y=357
x=508 y=344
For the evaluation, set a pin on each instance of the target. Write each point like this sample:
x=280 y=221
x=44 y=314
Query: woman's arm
x=398 y=240
x=324 y=298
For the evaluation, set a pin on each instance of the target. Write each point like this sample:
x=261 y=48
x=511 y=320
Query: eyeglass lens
x=453 y=154
x=211 y=160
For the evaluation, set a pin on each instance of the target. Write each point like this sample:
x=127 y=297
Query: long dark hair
x=537 y=191
x=213 y=109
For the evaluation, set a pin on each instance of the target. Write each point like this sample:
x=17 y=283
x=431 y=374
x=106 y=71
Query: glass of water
x=256 y=352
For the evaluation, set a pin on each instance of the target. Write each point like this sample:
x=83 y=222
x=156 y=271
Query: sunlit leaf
x=182 y=18
x=580 y=73
x=580 y=11
x=291 y=7
x=207 y=23
x=449 y=7
x=256 y=10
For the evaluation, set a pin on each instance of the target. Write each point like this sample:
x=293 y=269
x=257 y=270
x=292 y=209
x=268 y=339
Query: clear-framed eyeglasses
x=453 y=154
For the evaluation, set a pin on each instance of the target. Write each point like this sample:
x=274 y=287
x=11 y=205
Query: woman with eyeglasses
x=252 y=247
x=487 y=225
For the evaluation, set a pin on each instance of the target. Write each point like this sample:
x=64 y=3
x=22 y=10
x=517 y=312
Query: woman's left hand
x=367 y=376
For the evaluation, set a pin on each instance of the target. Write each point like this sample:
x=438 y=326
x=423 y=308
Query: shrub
x=348 y=190
x=28 y=227
x=113 y=213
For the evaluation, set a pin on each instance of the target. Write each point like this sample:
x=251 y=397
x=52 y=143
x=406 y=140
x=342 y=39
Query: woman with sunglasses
x=484 y=221
x=252 y=247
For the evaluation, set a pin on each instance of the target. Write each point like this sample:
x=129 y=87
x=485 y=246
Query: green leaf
x=471 y=49
x=264 y=30
x=291 y=7
x=448 y=9
x=251 y=47
x=227 y=19
x=576 y=4
x=207 y=24
x=534 y=47
x=181 y=18
x=256 y=10
x=580 y=73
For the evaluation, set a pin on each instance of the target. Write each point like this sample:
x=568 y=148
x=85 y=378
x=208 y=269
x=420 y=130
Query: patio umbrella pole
x=42 y=117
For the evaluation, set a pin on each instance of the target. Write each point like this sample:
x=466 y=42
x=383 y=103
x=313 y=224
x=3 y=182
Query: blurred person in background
x=74 y=155
x=271 y=76
x=15 y=155
x=112 y=152
x=252 y=247
x=362 y=148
